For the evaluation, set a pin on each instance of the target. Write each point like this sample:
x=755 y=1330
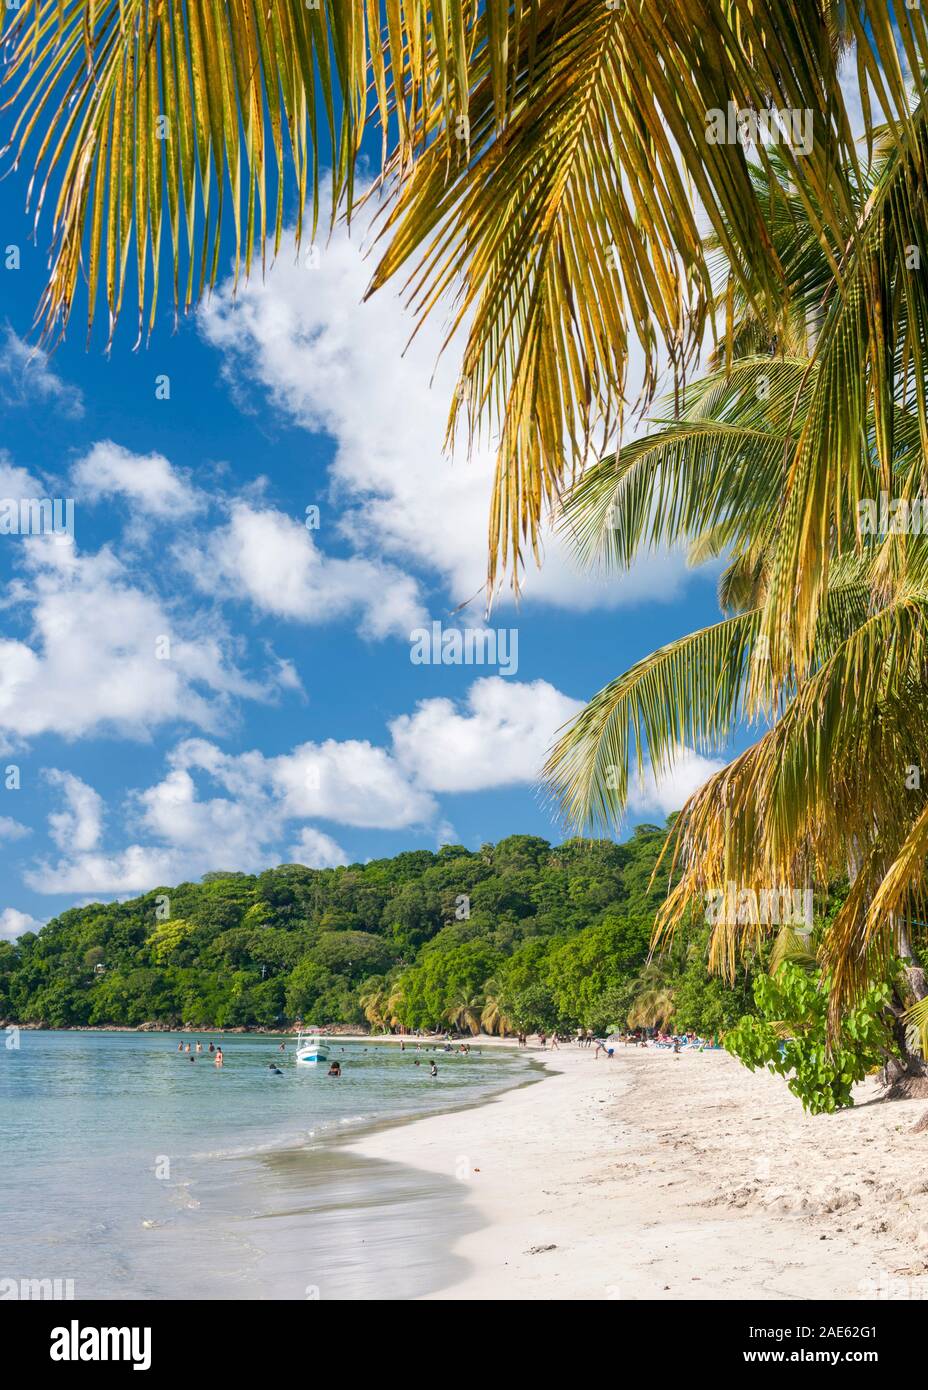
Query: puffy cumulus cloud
x=17 y=483
x=353 y=783
x=12 y=829
x=214 y=809
x=406 y=500
x=26 y=378
x=80 y=825
x=148 y=481
x=270 y=560
x=317 y=851
x=499 y=736
x=92 y=660
x=14 y=923
x=668 y=791
x=181 y=836
x=135 y=869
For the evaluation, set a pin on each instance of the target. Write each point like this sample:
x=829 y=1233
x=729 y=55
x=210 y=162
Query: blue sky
x=283 y=719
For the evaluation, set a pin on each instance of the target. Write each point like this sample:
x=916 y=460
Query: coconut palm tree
x=833 y=785
x=394 y=1003
x=546 y=163
x=373 y=1001
x=493 y=1016
x=464 y=1012
x=653 y=1008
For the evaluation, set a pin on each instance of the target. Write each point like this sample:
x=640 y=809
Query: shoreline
x=654 y=1176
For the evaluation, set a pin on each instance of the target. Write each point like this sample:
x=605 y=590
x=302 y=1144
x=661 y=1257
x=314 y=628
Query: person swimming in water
x=274 y=1069
x=335 y=1069
x=219 y=1058
x=211 y=1048
x=433 y=1070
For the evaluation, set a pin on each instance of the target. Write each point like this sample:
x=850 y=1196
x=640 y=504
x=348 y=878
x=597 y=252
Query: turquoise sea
x=138 y=1174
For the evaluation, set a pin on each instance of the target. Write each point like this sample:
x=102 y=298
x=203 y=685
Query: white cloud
x=133 y=870
x=317 y=851
x=15 y=482
x=271 y=560
x=214 y=809
x=337 y=366
x=26 y=377
x=184 y=831
x=92 y=659
x=14 y=923
x=500 y=737
x=148 y=480
x=690 y=770
x=80 y=825
x=12 y=830
x=353 y=783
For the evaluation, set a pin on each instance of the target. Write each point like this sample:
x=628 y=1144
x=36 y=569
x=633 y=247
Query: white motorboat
x=309 y=1046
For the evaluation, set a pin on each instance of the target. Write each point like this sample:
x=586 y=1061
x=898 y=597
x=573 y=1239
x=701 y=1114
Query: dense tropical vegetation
x=520 y=934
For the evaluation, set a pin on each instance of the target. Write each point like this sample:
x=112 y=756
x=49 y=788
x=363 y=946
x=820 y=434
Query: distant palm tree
x=493 y=1017
x=654 y=1008
x=465 y=1012
x=373 y=1002
x=393 y=1003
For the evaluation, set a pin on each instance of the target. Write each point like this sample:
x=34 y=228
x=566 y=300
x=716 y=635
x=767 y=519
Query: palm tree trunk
x=906 y=1075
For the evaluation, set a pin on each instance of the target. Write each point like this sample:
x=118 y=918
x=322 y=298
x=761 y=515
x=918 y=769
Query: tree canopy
x=518 y=934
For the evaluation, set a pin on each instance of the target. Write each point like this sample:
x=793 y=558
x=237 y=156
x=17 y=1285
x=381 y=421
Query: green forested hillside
x=518 y=934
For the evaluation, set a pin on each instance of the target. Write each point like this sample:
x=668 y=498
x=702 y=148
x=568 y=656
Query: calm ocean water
x=137 y=1174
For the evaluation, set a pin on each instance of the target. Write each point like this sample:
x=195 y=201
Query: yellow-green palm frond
x=825 y=787
x=870 y=360
x=549 y=158
x=916 y=1027
x=154 y=115
x=575 y=231
x=687 y=693
x=718 y=467
x=691 y=693
x=793 y=946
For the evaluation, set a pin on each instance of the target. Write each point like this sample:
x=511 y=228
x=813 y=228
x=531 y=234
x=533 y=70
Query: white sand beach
x=655 y=1176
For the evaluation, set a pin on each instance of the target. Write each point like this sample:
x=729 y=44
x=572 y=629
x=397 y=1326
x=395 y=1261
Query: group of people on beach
x=638 y=1037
